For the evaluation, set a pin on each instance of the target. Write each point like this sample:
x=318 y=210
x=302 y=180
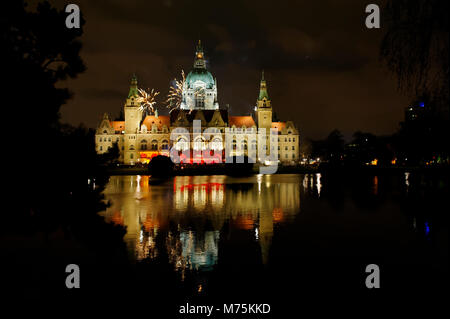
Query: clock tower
x=264 y=111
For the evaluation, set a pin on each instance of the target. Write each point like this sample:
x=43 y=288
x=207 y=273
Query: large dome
x=198 y=74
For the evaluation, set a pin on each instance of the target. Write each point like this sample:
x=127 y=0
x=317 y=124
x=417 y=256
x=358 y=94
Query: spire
x=199 y=46
x=263 y=89
x=199 y=62
x=133 y=87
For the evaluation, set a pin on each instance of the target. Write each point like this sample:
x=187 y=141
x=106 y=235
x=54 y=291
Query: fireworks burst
x=147 y=100
x=175 y=96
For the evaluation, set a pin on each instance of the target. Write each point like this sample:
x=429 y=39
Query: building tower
x=133 y=117
x=200 y=87
x=264 y=111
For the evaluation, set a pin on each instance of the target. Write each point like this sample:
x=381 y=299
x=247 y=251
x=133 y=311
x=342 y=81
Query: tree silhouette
x=416 y=48
x=38 y=51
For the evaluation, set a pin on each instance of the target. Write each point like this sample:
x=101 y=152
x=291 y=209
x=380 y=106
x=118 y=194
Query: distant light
x=421 y=104
x=427 y=228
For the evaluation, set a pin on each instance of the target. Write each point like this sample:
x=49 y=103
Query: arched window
x=182 y=144
x=234 y=145
x=165 y=145
x=154 y=145
x=244 y=145
x=199 y=143
x=254 y=145
x=216 y=144
x=143 y=145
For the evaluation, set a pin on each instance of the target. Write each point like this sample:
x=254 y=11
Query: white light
x=318 y=183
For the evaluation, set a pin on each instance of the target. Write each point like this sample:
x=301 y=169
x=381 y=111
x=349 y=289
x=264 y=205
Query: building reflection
x=180 y=209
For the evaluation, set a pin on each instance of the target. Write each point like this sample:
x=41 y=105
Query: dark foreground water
x=285 y=240
x=299 y=243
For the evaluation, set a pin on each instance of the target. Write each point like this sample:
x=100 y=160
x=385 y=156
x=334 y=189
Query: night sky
x=321 y=63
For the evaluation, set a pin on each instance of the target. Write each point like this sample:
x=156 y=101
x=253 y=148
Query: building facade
x=210 y=128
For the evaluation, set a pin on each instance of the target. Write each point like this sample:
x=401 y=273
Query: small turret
x=133 y=87
x=199 y=62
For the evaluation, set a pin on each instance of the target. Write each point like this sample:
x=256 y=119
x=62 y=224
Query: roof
x=190 y=115
x=199 y=74
x=278 y=125
x=159 y=121
x=118 y=125
x=240 y=121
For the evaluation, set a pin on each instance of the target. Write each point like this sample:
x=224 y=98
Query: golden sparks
x=147 y=100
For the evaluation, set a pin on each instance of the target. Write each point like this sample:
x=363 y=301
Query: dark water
x=277 y=238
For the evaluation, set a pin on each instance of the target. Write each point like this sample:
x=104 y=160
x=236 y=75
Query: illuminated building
x=141 y=137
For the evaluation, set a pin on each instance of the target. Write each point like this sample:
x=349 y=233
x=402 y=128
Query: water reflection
x=189 y=213
x=312 y=183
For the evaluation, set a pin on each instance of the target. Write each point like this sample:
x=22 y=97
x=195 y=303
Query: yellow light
x=374 y=162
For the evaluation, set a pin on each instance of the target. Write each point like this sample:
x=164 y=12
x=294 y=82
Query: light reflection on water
x=187 y=218
x=199 y=206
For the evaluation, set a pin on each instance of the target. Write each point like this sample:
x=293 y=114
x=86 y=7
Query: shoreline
x=212 y=170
